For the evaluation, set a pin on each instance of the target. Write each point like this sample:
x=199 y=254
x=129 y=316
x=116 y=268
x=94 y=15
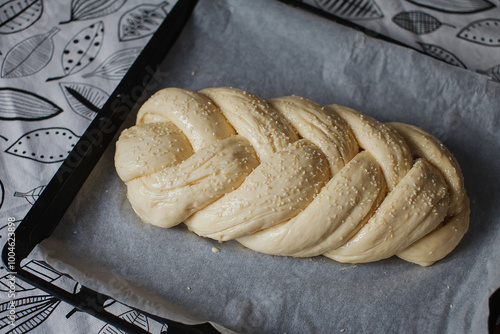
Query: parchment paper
x=273 y=50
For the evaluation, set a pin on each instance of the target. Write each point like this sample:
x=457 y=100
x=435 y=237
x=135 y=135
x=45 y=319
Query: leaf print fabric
x=455 y=6
x=17 y=104
x=485 y=32
x=32 y=195
x=85 y=100
x=352 y=9
x=17 y=15
x=2 y=192
x=47 y=145
x=417 y=22
x=91 y=9
x=462 y=33
x=5 y=283
x=442 y=54
x=82 y=49
x=35 y=310
x=134 y=317
x=493 y=73
x=115 y=67
x=141 y=21
x=29 y=56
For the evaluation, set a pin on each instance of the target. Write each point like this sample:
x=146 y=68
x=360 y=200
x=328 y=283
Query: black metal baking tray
x=47 y=211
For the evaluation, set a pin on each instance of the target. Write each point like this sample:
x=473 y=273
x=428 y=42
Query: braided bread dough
x=287 y=176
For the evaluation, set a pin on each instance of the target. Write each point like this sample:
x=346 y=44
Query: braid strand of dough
x=290 y=177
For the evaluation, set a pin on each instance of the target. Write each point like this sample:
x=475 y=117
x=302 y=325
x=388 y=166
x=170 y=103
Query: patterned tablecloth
x=60 y=60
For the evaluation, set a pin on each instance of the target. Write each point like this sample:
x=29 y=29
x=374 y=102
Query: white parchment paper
x=273 y=50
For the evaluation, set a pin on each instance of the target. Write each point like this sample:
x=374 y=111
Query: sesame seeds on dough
x=412 y=209
x=332 y=218
x=168 y=197
x=252 y=117
x=147 y=148
x=381 y=141
x=446 y=237
x=275 y=191
x=326 y=130
x=194 y=115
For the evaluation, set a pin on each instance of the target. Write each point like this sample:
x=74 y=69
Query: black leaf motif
x=91 y=9
x=141 y=21
x=20 y=105
x=17 y=15
x=85 y=100
x=417 y=22
x=55 y=142
x=29 y=56
x=42 y=270
x=49 y=274
x=82 y=49
x=7 y=225
x=6 y=283
x=37 y=268
x=352 y=9
x=30 y=312
x=32 y=195
x=2 y=193
x=485 y=32
x=115 y=67
x=133 y=317
x=455 y=6
x=492 y=72
x=441 y=54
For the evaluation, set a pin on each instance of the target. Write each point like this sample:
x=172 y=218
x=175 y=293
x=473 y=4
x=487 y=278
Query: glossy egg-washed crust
x=290 y=177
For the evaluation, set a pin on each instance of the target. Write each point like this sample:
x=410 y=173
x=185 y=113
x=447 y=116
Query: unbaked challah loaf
x=289 y=177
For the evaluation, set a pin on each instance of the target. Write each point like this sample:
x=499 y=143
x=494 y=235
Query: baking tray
x=48 y=210
x=44 y=216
